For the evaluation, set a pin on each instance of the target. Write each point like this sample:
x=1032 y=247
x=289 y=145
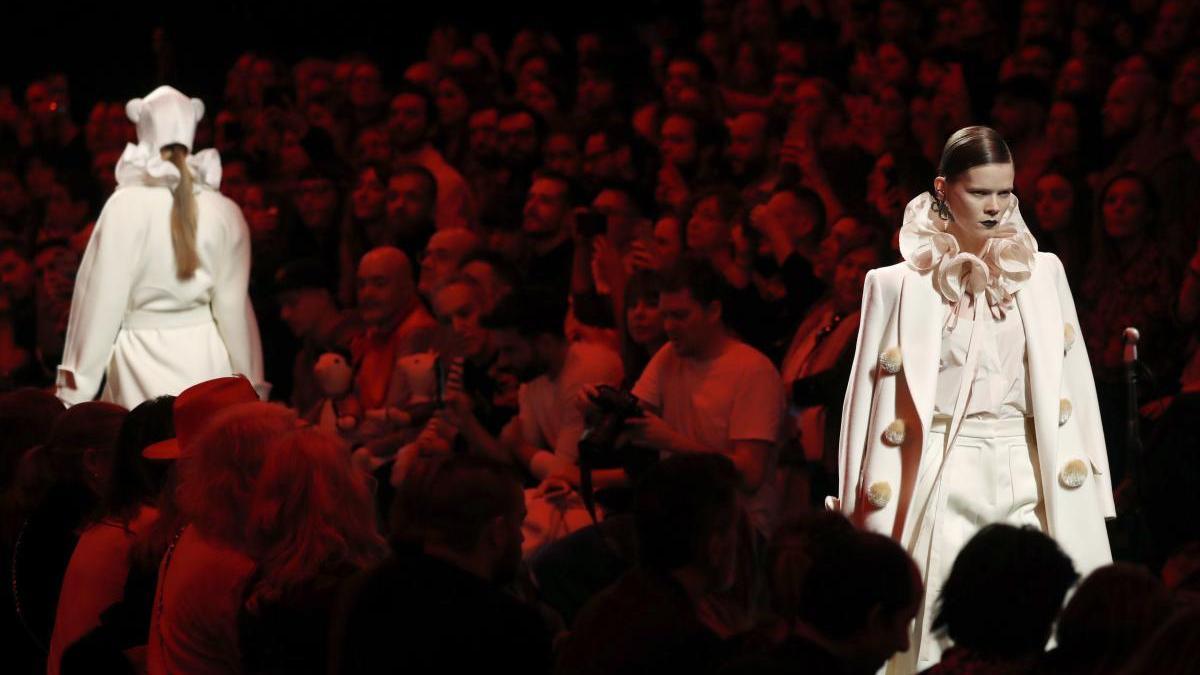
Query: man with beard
x=410 y=128
x=546 y=223
x=304 y=292
x=437 y=604
x=520 y=133
x=527 y=331
x=411 y=198
x=752 y=144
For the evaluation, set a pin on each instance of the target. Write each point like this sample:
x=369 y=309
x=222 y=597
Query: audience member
x=685 y=516
x=437 y=603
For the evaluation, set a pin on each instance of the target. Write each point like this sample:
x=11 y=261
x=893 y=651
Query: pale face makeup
x=977 y=199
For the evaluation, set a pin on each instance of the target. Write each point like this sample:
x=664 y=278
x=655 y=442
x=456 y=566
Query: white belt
x=982 y=428
x=146 y=318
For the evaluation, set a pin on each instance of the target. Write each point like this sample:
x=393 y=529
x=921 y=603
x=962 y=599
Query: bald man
x=397 y=323
x=443 y=254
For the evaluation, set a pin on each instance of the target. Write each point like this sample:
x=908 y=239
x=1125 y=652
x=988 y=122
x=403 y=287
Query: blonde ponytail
x=183 y=215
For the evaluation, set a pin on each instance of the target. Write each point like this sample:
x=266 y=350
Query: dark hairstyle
x=1004 y=592
x=679 y=505
x=640 y=199
x=92 y=425
x=419 y=171
x=449 y=499
x=529 y=312
x=796 y=544
x=697 y=277
x=1152 y=199
x=810 y=200
x=1112 y=612
x=135 y=481
x=26 y=416
x=1174 y=648
x=539 y=123
x=851 y=575
x=708 y=73
x=573 y=193
x=303 y=273
x=970 y=147
x=407 y=88
x=1025 y=88
x=729 y=202
x=643 y=285
x=500 y=265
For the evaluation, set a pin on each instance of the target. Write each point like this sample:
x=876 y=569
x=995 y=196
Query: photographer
x=708 y=392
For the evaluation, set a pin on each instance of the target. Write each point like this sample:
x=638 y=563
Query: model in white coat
x=971 y=399
x=160 y=299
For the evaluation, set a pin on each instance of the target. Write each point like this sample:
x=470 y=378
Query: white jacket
x=902 y=310
x=133 y=319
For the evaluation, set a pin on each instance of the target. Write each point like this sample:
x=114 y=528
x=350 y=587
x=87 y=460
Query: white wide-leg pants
x=989 y=476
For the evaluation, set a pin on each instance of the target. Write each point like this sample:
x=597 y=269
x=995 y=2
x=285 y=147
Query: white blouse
x=1000 y=388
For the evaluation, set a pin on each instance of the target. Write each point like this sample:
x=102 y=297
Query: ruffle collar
x=999 y=271
x=139 y=166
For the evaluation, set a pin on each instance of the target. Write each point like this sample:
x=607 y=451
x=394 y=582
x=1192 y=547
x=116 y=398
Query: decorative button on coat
x=894 y=434
x=1068 y=337
x=1064 y=411
x=890 y=360
x=879 y=494
x=1073 y=474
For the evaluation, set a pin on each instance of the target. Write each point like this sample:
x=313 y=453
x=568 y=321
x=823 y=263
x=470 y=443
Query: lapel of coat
x=920 y=341
x=1042 y=319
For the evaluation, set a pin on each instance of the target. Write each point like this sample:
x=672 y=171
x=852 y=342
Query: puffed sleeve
x=1078 y=380
x=231 y=306
x=101 y=296
x=860 y=393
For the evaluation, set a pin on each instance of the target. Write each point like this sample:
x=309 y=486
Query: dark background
x=106 y=49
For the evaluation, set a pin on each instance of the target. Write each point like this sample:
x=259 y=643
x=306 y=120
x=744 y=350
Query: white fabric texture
x=1000 y=269
x=901 y=307
x=999 y=389
x=165 y=117
x=153 y=333
x=990 y=476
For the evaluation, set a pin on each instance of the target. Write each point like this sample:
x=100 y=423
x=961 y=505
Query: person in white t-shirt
x=706 y=391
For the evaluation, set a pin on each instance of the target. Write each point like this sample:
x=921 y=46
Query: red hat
x=195 y=407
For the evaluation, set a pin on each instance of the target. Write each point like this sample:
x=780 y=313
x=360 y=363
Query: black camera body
x=599 y=440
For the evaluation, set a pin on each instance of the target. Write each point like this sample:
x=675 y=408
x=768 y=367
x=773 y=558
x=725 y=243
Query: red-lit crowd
x=558 y=329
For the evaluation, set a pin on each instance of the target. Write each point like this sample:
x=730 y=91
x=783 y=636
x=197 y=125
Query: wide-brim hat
x=195 y=407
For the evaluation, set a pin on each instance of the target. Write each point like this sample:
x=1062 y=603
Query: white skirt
x=989 y=476
x=163 y=353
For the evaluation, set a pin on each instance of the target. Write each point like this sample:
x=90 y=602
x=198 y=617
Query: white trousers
x=988 y=476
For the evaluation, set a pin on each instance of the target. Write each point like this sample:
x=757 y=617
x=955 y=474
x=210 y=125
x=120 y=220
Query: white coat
x=133 y=319
x=902 y=310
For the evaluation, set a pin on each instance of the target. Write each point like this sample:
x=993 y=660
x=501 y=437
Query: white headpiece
x=165 y=117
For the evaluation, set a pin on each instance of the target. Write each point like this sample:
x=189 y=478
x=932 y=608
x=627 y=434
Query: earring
x=939 y=205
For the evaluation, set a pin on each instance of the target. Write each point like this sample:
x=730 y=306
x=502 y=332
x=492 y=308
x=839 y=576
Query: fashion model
x=971 y=399
x=160 y=299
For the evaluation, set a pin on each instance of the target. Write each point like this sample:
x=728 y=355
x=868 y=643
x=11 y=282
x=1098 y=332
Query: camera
x=598 y=449
x=613 y=407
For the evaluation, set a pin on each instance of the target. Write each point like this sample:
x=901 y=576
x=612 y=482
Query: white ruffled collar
x=999 y=271
x=139 y=166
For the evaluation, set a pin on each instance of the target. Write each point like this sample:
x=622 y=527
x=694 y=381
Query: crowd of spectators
x=497 y=285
